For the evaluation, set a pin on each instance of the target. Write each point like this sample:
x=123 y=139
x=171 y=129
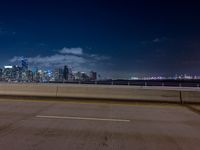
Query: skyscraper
x=17 y=73
x=66 y=73
x=7 y=73
x=1 y=73
x=24 y=63
x=93 y=76
x=58 y=75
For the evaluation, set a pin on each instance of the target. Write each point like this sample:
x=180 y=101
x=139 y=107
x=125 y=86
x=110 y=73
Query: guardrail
x=103 y=92
x=170 y=83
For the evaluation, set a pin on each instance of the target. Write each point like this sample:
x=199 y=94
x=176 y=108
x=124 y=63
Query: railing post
x=181 y=98
x=180 y=85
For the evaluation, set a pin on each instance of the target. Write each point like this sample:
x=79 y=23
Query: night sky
x=116 y=38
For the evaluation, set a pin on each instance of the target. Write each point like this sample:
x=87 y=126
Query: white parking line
x=83 y=118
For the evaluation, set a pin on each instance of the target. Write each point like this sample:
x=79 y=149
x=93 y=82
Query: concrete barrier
x=117 y=93
x=28 y=90
x=159 y=94
x=190 y=96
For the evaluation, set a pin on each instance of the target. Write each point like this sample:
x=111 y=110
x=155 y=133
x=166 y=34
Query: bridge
x=66 y=116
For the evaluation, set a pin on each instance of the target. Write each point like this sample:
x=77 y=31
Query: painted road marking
x=83 y=118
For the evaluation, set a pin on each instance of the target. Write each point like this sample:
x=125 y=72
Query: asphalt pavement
x=82 y=125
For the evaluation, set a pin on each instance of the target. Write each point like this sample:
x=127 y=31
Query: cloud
x=73 y=57
x=161 y=39
x=75 y=51
x=99 y=58
x=156 y=40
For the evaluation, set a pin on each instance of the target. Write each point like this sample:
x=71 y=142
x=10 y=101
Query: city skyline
x=23 y=72
x=119 y=39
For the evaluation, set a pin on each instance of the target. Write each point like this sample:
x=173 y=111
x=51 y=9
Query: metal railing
x=170 y=83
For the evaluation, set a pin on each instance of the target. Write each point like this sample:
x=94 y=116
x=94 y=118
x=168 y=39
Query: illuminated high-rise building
x=7 y=73
x=24 y=63
x=66 y=73
x=58 y=75
x=17 y=73
x=93 y=76
x=1 y=73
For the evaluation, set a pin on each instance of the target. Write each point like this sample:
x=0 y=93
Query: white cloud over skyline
x=73 y=57
x=75 y=51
